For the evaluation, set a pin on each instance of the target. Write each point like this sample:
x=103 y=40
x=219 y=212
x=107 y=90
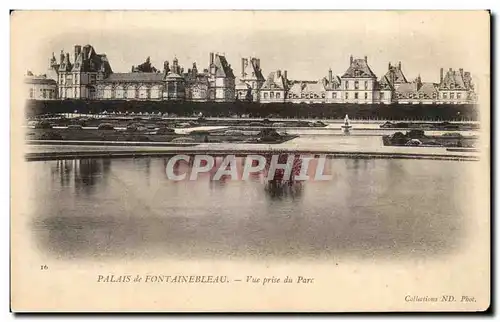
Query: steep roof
x=316 y=87
x=133 y=78
x=299 y=87
x=418 y=89
x=428 y=89
x=386 y=83
x=252 y=70
x=89 y=61
x=394 y=75
x=296 y=88
x=455 y=80
x=223 y=69
x=407 y=88
x=173 y=75
x=274 y=81
x=241 y=85
x=359 y=69
x=65 y=65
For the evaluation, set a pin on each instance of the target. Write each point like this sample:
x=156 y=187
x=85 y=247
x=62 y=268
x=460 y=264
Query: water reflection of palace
x=81 y=174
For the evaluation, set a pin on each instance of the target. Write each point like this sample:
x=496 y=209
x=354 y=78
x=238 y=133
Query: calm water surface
x=102 y=208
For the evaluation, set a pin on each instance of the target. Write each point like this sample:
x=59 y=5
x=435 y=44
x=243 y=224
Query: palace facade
x=89 y=76
x=39 y=87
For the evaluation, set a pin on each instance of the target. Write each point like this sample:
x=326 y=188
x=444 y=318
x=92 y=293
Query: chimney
x=351 y=59
x=389 y=66
x=62 y=56
x=78 y=50
x=67 y=57
x=399 y=65
x=441 y=75
x=211 y=58
x=330 y=75
x=243 y=67
x=285 y=75
x=461 y=72
x=366 y=58
x=450 y=69
x=258 y=62
x=278 y=73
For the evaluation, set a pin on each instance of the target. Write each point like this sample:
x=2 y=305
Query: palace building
x=88 y=75
x=275 y=88
x=221 y=79
x=78 y=79
x=456 y=87
x=251 y=80
x=39 y=87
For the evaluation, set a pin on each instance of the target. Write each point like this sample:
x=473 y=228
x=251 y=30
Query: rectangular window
x=452 y=96
x=356 y=85
x=277 y=95
x=366 y=85
x=31 y=93
x=366 y=96
x=271 y=95
x=44 y=93
x=346 y=95
x=459 y=95
x=356 y=95
x=334 y=95
x=265 y=95
x=381 y=96
x=347 y=85
x=445 y=95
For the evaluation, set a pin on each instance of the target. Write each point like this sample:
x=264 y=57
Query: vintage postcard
x=250 y=161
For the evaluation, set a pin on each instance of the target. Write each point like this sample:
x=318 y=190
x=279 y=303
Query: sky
x=306 y=43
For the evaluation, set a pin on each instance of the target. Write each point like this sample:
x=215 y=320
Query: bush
x=43 y=125
x=269 y=132
x=131 y=127
x=398 y=138
x=51 y=136
x=165 y=130
x=106 y=127
x=415 y=134
x=199 y=132
x=75 y=127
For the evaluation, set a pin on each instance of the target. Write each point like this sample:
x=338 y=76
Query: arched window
x=119 y=92
x=356 y=85
x=143 y=92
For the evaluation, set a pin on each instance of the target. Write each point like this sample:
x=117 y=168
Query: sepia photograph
x=250 y=161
